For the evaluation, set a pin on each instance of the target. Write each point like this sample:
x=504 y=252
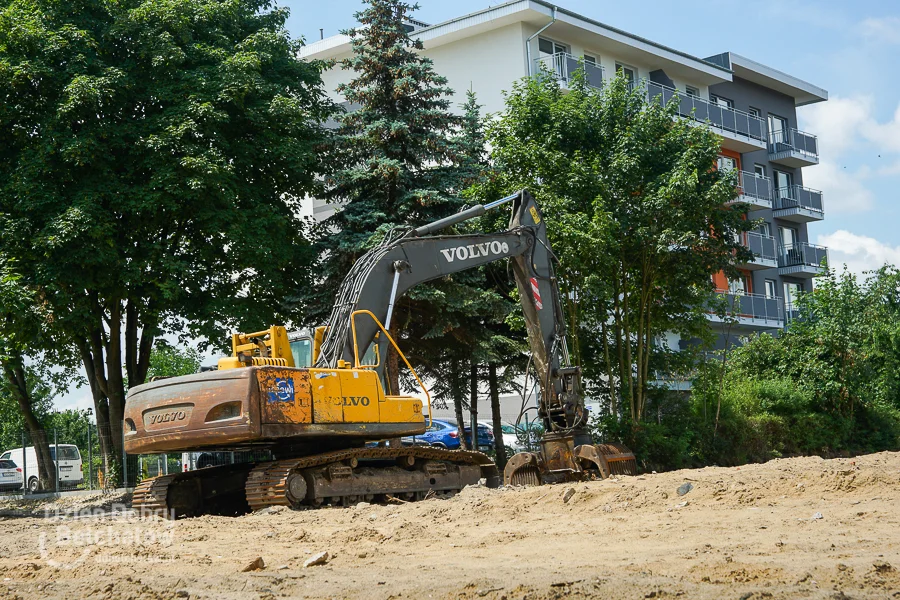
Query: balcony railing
x=755 y=186
x=563 y=67
x=802 y=255
x=762 y=246
x=796 y=196
x=728 y=119
x=755 y=309
x=794 y=141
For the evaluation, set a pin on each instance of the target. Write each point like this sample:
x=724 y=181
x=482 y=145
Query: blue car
x=442 y=434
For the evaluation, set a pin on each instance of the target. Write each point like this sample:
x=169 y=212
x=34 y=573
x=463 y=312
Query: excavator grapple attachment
x=587 y=461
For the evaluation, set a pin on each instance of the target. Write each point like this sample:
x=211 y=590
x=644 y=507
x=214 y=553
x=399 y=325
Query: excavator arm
x=384 y=274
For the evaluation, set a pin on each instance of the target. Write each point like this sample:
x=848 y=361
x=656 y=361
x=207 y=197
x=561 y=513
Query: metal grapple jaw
x=560 y=460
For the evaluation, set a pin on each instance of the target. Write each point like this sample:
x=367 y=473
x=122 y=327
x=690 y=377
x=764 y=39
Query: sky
x=852 y=49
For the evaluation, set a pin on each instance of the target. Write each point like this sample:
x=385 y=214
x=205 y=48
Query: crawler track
x=341 y=476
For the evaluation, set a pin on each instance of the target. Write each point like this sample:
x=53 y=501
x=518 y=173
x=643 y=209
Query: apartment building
x=750 y=105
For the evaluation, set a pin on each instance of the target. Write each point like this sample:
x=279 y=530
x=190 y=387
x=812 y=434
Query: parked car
x=485 y=435
x=441 y=433
x=10 y=476
x=69 y=465
x=513 y=439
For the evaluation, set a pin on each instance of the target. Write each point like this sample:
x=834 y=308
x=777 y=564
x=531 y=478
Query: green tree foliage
x=827 y=385
x=152 y=157
x=636 y=213
x=171 y=361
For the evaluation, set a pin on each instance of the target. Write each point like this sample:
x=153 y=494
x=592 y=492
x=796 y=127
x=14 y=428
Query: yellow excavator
x=318 y=402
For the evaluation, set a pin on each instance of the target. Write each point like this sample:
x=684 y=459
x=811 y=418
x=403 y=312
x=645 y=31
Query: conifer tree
x=402 y=168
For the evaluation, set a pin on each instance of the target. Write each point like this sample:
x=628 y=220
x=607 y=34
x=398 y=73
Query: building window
x=692 y=91
x=630 y=73
x=552 y=56
x=723 y=102
x=770 y=288
x=788 y=237
x=778 y=128
x=727 y=163
x=760 y=170
x=549 y=47
x=783 y=183
x=737 y=286
x=765 y=229
x=755 y=112
x=590 y=60
x=791 y=293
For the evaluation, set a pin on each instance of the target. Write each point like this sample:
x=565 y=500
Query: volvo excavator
x=319 y=404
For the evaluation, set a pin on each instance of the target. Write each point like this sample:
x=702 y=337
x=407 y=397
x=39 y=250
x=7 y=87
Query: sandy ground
x=793 y=528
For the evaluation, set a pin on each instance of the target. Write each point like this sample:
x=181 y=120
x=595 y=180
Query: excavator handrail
x=396 y=347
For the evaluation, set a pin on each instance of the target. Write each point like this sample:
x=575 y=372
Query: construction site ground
x=791 y=528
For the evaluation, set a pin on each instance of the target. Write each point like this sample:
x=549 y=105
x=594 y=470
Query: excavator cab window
x=302 y=351
x=372 y=357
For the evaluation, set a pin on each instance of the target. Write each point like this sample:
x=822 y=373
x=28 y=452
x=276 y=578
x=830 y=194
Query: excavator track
x=337 y=476
x=213 y=490
x=150 y=495
x=342 y=476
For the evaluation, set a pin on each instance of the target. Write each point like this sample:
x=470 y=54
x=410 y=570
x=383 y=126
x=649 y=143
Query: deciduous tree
x=152 y=160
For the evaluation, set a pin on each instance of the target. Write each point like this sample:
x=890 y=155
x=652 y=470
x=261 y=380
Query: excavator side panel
x=285 y=395
x=360 y=395
x=326 y=393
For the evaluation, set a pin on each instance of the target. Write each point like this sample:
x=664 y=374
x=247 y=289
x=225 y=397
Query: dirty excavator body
x=318 y=403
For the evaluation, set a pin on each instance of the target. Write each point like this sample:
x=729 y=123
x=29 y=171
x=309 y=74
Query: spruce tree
x=401 y=168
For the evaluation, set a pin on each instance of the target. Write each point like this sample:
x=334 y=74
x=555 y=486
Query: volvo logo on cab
x=475 y=251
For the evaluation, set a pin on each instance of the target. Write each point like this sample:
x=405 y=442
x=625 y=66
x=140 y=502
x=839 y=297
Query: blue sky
x=852 y=49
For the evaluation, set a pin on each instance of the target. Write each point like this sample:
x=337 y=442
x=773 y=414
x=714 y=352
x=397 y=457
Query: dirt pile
x=805 y=527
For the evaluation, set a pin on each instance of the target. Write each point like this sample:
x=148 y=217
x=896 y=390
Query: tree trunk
x=101 y=355
x=456 y=390
x=499 y=447
x=473 y=404
x=613 y=395
x=14 y=371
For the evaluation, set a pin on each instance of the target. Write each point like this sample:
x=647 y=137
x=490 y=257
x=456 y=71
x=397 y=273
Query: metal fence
x=78 y=463
x=563 y=67
x=76 y=455
x=762 y=246
x=753 y=308
x=793 y=141
x=796 y=196
x=726 y=118
x=755 y=186
x=803 y=254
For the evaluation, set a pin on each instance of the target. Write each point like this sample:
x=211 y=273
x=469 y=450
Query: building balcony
x=798 y=204
x=793 y=148
x=750 y=312
x=763 y=247
x=740 y=131
x=802 y=260
x=754 y=190
x=563 y=66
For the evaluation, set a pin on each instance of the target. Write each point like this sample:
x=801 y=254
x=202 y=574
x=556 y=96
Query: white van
x=70 y=468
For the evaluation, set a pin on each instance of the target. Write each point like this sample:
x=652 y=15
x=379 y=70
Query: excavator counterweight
x=318 y=403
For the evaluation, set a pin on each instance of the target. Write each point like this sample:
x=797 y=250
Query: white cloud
x=848 y=132
x=845 y=124
x=884 y=29
x=859 y=252
x=844 y=190
x=838 y=123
